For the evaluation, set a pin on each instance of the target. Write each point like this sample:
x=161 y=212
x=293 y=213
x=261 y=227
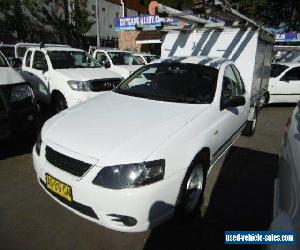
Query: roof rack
x=222 y=11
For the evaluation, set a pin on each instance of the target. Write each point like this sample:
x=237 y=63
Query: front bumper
x=149 y=205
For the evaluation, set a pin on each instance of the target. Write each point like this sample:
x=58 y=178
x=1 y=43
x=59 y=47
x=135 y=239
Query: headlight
x=131 y=175
x=20 y=92
x=79 y=85
x=38 y=145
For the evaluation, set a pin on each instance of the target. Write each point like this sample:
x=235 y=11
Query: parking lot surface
x=238 y=196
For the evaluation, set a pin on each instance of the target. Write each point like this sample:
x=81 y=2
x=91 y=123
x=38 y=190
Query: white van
x=121 y=62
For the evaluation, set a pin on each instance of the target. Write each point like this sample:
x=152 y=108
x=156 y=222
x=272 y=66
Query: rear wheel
x=59 y=103
x=250 y=126
x=191 y=192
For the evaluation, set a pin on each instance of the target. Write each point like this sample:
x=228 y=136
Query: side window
x=292 y=75
x=231 y=85
x=39 y=57
x=28 y=58
x=241 y=82
x=101 y=57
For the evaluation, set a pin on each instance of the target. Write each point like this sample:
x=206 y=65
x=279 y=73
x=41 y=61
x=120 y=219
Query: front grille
x=66 y=163
x=86 y=210
x=104 y=84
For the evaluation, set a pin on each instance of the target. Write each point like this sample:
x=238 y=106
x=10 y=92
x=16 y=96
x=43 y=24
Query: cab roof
x=214 y=62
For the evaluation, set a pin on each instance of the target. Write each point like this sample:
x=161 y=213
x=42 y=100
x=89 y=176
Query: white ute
x=127 y=158
x=121 y=62
x=284 y=84
x=65 y=76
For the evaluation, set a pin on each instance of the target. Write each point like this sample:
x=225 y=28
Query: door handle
x=216 y=132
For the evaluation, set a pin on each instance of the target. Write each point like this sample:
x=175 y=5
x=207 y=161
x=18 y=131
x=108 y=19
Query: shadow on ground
x=242 y=199
x=22 y=143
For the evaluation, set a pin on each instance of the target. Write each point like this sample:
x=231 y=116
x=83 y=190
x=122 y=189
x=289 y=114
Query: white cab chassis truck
x=250 y=49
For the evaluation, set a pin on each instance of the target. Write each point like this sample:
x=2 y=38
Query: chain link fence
x=50 y=37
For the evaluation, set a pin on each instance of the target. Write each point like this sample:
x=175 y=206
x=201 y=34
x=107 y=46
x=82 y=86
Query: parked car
x=121 y=62
x=18 y=108
x=284 y=84
x=117 y=159
x=65 y=77
x=145 y=58
x=287 y=185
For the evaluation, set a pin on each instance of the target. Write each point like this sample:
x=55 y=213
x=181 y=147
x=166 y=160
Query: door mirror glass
x=106 y=64
x=234 y=101
x=16 y=62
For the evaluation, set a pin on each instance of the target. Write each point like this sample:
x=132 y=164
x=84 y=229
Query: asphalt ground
x=238 y=196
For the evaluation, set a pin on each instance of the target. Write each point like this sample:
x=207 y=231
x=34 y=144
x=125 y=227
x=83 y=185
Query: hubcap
x=193 y=189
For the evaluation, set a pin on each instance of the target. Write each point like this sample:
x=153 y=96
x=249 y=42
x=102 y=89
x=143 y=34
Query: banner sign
x=128 y=23
x=287 y=37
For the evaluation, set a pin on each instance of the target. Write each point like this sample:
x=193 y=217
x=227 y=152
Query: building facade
x=109 y=10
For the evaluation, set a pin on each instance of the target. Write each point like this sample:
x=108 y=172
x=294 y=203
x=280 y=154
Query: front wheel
x=191 y=191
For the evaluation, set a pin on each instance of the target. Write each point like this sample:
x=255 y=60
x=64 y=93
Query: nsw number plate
x=59 y=187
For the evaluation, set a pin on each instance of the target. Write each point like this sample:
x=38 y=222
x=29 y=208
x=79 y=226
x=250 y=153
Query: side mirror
x=235 y=101
x=17 y=62
x=40 y=65
x=106 y=64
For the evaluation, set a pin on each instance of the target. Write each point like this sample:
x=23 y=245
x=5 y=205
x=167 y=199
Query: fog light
x=126 y=220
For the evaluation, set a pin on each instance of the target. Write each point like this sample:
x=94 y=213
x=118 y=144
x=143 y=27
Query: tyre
x=191 y=192
x=250 y=126
x=59 y=103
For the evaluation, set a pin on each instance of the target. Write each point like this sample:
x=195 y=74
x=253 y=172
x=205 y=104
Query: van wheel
x=191 y=192
x=59 y=103
x=250 y=126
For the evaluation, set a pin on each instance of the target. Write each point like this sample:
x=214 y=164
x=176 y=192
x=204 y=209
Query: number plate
x=59 y=187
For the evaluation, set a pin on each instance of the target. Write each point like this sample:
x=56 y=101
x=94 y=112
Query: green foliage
x=272 y=13
x=21 y=16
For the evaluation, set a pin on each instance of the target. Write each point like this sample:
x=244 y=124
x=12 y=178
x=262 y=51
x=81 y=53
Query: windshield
x=123 y=58
x=187 y=83
x=3 y=62
x=277 y=69
x=61 y=59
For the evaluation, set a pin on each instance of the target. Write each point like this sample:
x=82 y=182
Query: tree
x=284 y=14
x=272 y=13
x=177 y=4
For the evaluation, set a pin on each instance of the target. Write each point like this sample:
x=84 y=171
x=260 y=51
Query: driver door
x=231 y=119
